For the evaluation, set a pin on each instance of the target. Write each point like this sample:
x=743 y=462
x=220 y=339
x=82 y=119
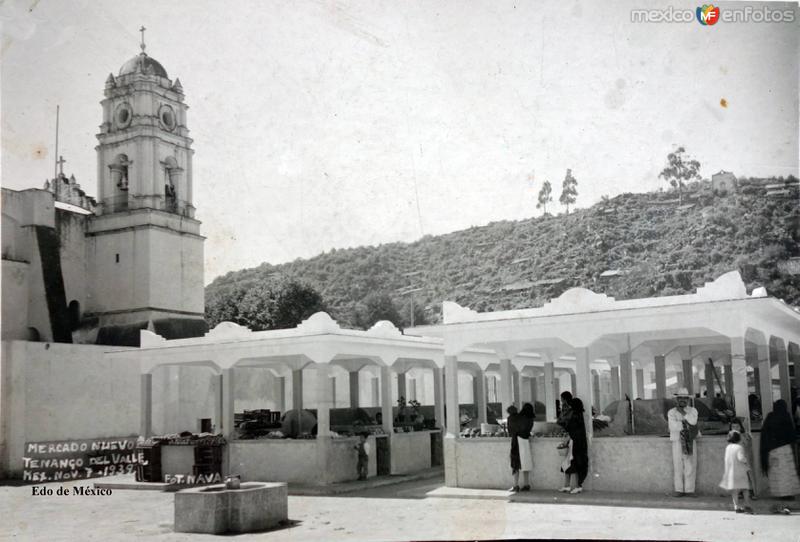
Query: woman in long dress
x=579 y=450
x=778 y=451
x=520 y=426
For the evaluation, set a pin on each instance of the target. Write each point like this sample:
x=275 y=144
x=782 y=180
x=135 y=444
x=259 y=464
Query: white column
x=325 y=390
x=354 y=389
x=534 y=390
x=615 y=391
x=386 y=401
x=324 y=399
x=583 y=381
x=549 y=396
x=506 y=386
x=438 y=397
x=516 y=378
x=640 y=383
x=453 y=425
x=227 y=404
x=783 y=371
x=332 y=380
x=625 y=375
x=573 y=383
x=218 y=404
x=739 y=379
x=282 y=393
x=146 y=421
x=376 y=394
x=451 y=395
x=479 y=391
x=297 y=389
x=596 y=391
x=661 y=377
x=765 y=380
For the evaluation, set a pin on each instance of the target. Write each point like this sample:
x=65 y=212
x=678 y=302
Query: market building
x=752 y=340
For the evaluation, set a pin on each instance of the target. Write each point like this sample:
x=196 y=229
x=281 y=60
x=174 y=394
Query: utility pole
x=55 y=157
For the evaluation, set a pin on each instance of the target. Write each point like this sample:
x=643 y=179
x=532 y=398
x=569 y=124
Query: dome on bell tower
x=144 y=64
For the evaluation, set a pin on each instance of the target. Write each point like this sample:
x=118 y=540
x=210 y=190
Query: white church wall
x=15 y=300
x=52 y=391
x=118 y=273
x=71 y=232
x=21 y=212
x=172 y=250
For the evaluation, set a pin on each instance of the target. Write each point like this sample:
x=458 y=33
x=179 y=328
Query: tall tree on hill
x=273 y=304
x=680 y=169
x=569 y=190
x=545 y=196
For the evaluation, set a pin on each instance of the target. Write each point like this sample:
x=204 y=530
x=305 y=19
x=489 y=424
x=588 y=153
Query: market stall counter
x=627 y=464
x=185 y=458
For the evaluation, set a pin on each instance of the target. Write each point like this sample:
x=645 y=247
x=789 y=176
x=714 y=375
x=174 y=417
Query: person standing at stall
x=566 y=409
x=362 y=449
x=519 y=429
x=525 y=419
x=579 y=447
x=778 y=459
x=682 y=420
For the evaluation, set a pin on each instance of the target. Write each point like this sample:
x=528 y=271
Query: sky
x=323 y=124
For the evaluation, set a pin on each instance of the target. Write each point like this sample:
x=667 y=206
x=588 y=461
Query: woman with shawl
x=579 y=464
x=520 y=426
x=778 y=453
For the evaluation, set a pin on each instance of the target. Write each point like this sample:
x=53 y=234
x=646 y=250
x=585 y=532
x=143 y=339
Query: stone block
x=256 y=506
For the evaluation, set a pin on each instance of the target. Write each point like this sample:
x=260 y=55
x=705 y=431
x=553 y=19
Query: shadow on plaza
x=434 y=488
x=282 y=526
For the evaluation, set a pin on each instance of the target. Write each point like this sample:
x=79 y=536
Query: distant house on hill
x=783 y=189
x=519 y=286
x=611 y=274
x=724 y=181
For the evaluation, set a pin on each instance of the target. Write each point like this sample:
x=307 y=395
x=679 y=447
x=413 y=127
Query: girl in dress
x=736 y=477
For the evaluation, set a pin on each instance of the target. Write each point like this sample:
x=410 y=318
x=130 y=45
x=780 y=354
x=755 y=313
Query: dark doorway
x=382 y=455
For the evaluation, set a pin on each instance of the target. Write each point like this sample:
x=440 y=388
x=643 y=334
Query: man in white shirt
x=683 y=419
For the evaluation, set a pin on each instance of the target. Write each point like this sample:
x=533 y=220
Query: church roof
x=142 y=63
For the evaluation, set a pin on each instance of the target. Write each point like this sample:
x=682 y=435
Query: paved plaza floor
x=420 y=509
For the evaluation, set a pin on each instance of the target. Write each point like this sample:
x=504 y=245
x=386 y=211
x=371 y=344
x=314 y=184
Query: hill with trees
x=629 y=246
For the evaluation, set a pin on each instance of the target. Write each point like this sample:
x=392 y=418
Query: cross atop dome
x=142 y=29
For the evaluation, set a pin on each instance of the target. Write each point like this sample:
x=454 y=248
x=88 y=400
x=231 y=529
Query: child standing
x=736 y=476
x=363 y=456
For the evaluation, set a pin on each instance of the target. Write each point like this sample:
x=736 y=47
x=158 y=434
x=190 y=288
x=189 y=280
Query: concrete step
x=608 y=498
x=363 y=485
x=128 y=481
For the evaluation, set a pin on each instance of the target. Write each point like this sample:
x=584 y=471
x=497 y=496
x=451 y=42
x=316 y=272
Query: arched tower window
x=119 y=179
x=119 y=171
x=171 y=182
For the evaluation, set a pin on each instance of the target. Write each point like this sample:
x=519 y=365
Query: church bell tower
x=146 y=249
